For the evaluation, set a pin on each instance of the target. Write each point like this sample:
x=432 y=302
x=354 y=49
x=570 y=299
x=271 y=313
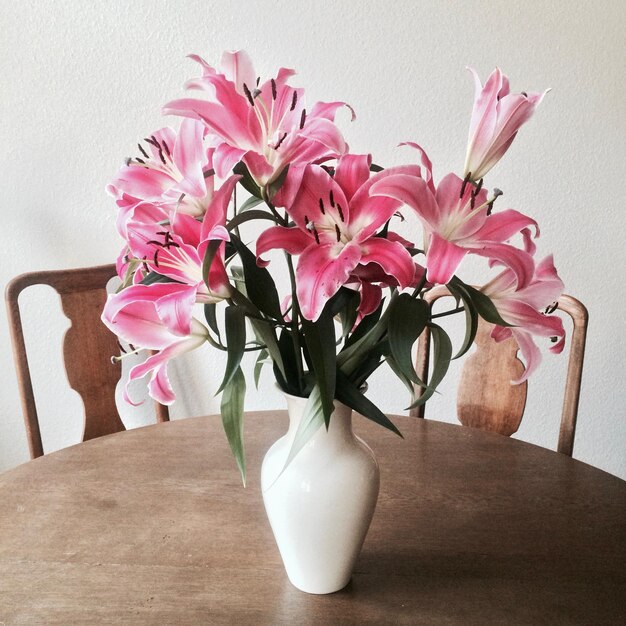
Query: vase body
x=320 y=507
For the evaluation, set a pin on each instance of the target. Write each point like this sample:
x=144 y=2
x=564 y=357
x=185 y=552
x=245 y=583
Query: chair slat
x=87 y=349
x=486 y=399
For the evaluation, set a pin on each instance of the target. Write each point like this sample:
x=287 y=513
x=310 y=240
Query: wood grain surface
x=152 y=526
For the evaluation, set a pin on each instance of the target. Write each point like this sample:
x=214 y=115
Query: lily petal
x=442 y=259
x=322 y=270
x=392 y=257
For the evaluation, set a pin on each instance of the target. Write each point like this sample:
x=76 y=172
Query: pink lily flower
x=522 y=306
x=457 y=220
x=169 y=172
x=266 y=126
x=336 y=220
x=177 y=250
x=496 y=117
x=155 y=317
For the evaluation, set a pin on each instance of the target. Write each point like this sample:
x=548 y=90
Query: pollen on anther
x=332 y=199
x=302 y=119
x=338 y=233
x=273 y=83
x=293 y=101
x=322 y=207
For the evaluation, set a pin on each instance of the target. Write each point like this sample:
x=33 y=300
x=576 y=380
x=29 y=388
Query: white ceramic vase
x=321 y=506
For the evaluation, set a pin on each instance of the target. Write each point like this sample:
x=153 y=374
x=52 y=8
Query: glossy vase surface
x=320 y=507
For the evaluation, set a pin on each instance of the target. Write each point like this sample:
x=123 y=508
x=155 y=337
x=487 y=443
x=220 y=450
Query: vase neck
x=340 y=420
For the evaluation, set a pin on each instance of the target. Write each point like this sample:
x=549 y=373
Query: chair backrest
x=486 y=398
x=87 y=349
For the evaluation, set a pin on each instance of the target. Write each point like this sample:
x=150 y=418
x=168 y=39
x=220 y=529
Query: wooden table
x=153 y=526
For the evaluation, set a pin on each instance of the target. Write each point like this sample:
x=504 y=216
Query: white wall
x=81 y=82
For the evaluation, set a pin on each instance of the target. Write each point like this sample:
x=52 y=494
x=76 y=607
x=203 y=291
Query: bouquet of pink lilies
x=357 y=296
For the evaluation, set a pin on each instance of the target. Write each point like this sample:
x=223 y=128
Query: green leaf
x=258 y=366
x=471 y=318
x=154 y=277
x=405 y=381
x=482 y=303
x=442 y=355
x=247 y=182
x=407 y=320
x=250 y=203
x=210 y=310
x=253 y=214
x=348 y=393
x=265 y=332
x=260 y=287
x=290 y=382
x=366 y=324
x=345 y=303
x=232 y=418
x=320 y=342
x=209 y=255
x=235 y=326
x=311 y=421
x=277 y=183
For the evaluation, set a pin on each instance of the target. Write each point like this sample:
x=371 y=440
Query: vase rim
x=363 y=389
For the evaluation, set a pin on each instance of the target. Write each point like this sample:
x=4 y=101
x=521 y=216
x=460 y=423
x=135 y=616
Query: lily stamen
x=248 y=94
x=280 y=141
x=464 y=185
x=322 y=207
x=340 y=211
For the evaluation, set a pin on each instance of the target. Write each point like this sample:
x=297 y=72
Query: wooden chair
x=486 y=398
x=87 y=350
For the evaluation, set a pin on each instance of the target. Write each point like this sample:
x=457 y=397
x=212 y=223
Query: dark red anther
x=317 y=237
x=248 y=94
x=302 y=119
x=273 y=82
x=280 y=141
x=322 y=207
x=464 y=185
x=338 y=232
x=552 y=308
x=306 y=220
x=339 y=210
x=143 y=151
x=140 y=161
x=293 y=101
x=156 y=258
x=166 y=148
x=332 y=199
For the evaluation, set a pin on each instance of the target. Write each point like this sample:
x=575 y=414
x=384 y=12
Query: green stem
x=420 y=286
x=272 y=208
x=295 y=316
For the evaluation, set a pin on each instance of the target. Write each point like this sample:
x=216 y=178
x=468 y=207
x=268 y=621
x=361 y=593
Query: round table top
x=153 y=526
